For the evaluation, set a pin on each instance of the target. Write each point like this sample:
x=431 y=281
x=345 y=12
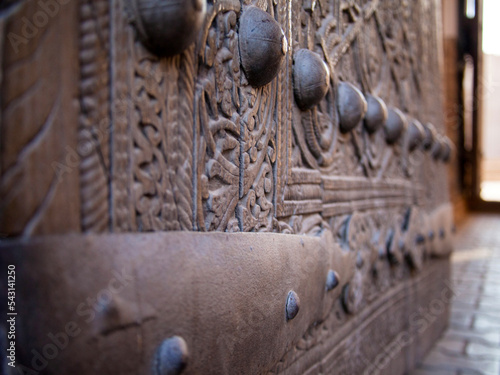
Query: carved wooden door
x=229 y=187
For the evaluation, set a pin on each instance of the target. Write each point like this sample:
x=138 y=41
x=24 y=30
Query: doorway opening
x=489 y=86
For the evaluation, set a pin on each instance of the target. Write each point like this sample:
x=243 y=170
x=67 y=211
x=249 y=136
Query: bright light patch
x=470 y=10
x=491 y=27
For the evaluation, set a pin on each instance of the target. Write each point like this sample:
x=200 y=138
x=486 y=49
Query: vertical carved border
x=282 y=168
x=94 y=121
x=123 y=214
x=152 y=117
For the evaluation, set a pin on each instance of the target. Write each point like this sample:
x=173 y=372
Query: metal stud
x=431 y=235
x=351 y=105
x=263 y=46
x=171 y=357
x=292 y=305
x=416 y=134
x=359 y=261
x=332 y=280
x=437 y=147
x=167 y=27
x=311 y=78
x=352 y=295
x=420 y=239
x=394 y=126
x=430 y=134
x=376 y=114
x=446 y=149
x=392 y=256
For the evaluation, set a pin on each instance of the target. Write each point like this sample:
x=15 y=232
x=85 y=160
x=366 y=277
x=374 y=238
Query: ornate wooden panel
x=124 y=122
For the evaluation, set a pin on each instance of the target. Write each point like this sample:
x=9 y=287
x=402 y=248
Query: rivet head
x=167 y=27
x=171 y=357
x=394 y=125
x=430 y=134
x=419 y=239
x=311 y=78
x=416 y=134
x=401 y=245
x=431 y=235
x=445 y=149
x=332 y=280
x=390 y=245
x=292 y=305
x=376 y=114
x=359 y=261
x=351 y=105
x=437 y=147
x=263 y=46
x=352 y=295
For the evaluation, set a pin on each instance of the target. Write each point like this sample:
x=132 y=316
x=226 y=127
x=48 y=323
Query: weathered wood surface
x=319 y=120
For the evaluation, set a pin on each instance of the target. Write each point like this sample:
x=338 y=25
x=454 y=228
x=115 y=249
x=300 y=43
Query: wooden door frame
x=471 y=43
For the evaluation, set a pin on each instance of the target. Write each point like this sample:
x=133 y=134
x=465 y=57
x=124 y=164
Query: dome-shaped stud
x=292 y=305
x=376 y=114
x=420 y=239
x=416 y=134
x=390 y=247
x=311 y=78
x=437 y=147
x=263 y=46
x=332 y=280
x=167 y=27
x=171 y=357
x=429 y=135
x=446 y=149
x=431 y=235
x=352 y=295
x=394 y=126
x=351 y=105
x=360 y=261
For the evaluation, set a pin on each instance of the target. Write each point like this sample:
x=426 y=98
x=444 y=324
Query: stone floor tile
x=471 y=345
x=450 y=345
x=462 y=318
x=438 y=359
x=491 y=289
x=434 y=371
x=485 y=320
x=478 y=351
x=490 y=304
x=461 y=289
x=465 y=304
x=486 y=338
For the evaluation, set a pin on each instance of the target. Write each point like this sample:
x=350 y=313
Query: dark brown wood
x=111 y=310
x=335 y=182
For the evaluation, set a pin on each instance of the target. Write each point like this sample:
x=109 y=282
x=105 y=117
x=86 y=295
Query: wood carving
x=319 y=119
x=94 y=130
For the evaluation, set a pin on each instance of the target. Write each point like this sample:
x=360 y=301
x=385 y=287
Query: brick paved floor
x=471 y=345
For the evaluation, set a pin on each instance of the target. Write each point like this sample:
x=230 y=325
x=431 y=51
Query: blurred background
x=472 y=77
